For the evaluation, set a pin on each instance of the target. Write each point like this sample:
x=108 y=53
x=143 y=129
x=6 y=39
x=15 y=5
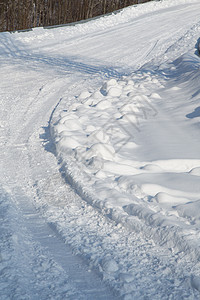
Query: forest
x=26 y=14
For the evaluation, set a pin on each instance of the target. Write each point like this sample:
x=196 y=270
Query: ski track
x=54 y=245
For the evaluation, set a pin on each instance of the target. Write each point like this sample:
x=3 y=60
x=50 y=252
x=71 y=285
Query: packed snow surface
x=100 y=157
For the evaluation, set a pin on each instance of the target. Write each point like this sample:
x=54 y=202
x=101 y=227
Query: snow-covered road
x=57 y=88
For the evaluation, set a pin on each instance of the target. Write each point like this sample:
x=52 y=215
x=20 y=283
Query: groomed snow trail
x=53 y=244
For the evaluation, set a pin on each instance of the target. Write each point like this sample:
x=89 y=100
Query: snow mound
x=195 y=171
x=111 y=162
x=166 y=198
x=104 y=151
x=109 y=265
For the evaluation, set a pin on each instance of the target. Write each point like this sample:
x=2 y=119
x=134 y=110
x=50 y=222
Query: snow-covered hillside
x=100 y=157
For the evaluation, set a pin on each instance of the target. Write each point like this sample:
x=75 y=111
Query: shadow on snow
x=61 y=65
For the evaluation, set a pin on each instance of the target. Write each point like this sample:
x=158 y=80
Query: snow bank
x=126 y=15
x=99 y=141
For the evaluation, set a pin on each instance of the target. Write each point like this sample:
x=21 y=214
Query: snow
x=105 y=151
x=99 y=157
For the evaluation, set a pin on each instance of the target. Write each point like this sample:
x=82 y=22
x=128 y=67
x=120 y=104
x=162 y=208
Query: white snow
x=99 y=150
x=112 y=168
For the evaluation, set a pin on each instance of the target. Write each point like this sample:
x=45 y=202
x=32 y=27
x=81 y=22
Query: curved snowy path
x=36 y=263
x=41 y=71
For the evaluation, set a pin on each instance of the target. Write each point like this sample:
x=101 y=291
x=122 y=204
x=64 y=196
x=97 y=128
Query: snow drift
x=100 y=141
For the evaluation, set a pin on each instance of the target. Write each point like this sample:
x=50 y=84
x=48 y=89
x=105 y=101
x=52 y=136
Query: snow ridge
x=128 y=14
x=96 y=146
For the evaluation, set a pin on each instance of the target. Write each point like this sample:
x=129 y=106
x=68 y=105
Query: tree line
x=25 y=14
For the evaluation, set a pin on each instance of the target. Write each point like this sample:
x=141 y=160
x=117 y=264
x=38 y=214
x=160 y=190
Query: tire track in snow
x=73 y=270
x=48 y=262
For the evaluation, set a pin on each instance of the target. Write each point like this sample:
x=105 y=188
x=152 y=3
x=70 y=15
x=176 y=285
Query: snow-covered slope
x=129 y=149
x=99 y=150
